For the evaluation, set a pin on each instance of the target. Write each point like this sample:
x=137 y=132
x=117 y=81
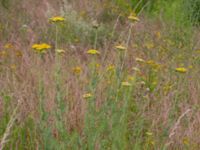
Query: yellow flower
x=149 y=133
x=132 y=17
x=3 y=53
x=136 y=69
x=87 y=95
x=8 y=45
x=139 y=60
x=120 y=47
x=181 y=70
x=149 y=45
x=13 y=67
x=57 y=19
x=19 y=53
x=60 y=51
x=77 y=70
x=41 y=48
x=93 y=52
x=186 y=141
x=110 y=68
x=125 y=83
x=158 y=34
x=131 y=78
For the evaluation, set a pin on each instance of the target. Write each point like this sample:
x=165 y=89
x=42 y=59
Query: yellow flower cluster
x=87 y=95
x=181 y=70
x=133 y=18
x=77 y=70
x=57 y=19
x=41 y=48
x=93 y=52
x=120 y=47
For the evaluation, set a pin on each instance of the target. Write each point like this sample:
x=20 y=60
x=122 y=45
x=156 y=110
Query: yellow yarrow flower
x=139 y=60
x=181 y=70
x=110 y=68
x=57 y=19
x=41 y=48
x=77 y=70
x=8 y=45
x=60 y=51
x=120 y=47
x=125 y=83
x=132 y=17
x=87 y=95
x=93 y=52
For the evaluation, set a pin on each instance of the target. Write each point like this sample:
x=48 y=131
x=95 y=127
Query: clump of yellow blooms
x=93 y=52
x=87 y=95
x=19 y=53
x=8 y=45
x=56 y=19
x=13 y=67
x=140 y=60
x=77 y=70
x=110 y=68
x=41 y=48
x=126 y=84
x=3 y=53
x=120 y=47
x=60 y=51
x=181 y=70
x=133 y=18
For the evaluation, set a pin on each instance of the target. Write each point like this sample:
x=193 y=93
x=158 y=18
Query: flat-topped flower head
x=60 y=51
x=126 y=84
x=87 y=95
x=41 y=48
x=181 y=70
x=140 y=60
x=56 y=19
x=110 y=68
x=133 y=18
x=93 y=52
x=95 y=24
x=120 y=47
x=77 y=70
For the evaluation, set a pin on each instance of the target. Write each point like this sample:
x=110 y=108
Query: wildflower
x=131 y=78
x=120 y=47
x=136 y=69
x=87 y=95
x=97 y=66
x=93 y=52
x=126 y=84
x=181 y=70
x=8 y=45
x=95 y=24
x=41 y=48
x=3 y=53
x=13 y=67
x=186 y=141
x=19 y=53
x=77 y=70
x=132 y=17
x=110 y=68
x=139 y=60
x=56 y=19
x=158 y=34
x=149 y=45
x=149 y=133
x=60 y=51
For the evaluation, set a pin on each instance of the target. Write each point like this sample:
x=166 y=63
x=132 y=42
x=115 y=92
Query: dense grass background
x=137 y=100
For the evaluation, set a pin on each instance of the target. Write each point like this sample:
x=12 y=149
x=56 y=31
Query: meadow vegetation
x=99 y=75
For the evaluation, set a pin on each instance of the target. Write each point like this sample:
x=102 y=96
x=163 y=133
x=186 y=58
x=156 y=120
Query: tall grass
x=128 y=98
